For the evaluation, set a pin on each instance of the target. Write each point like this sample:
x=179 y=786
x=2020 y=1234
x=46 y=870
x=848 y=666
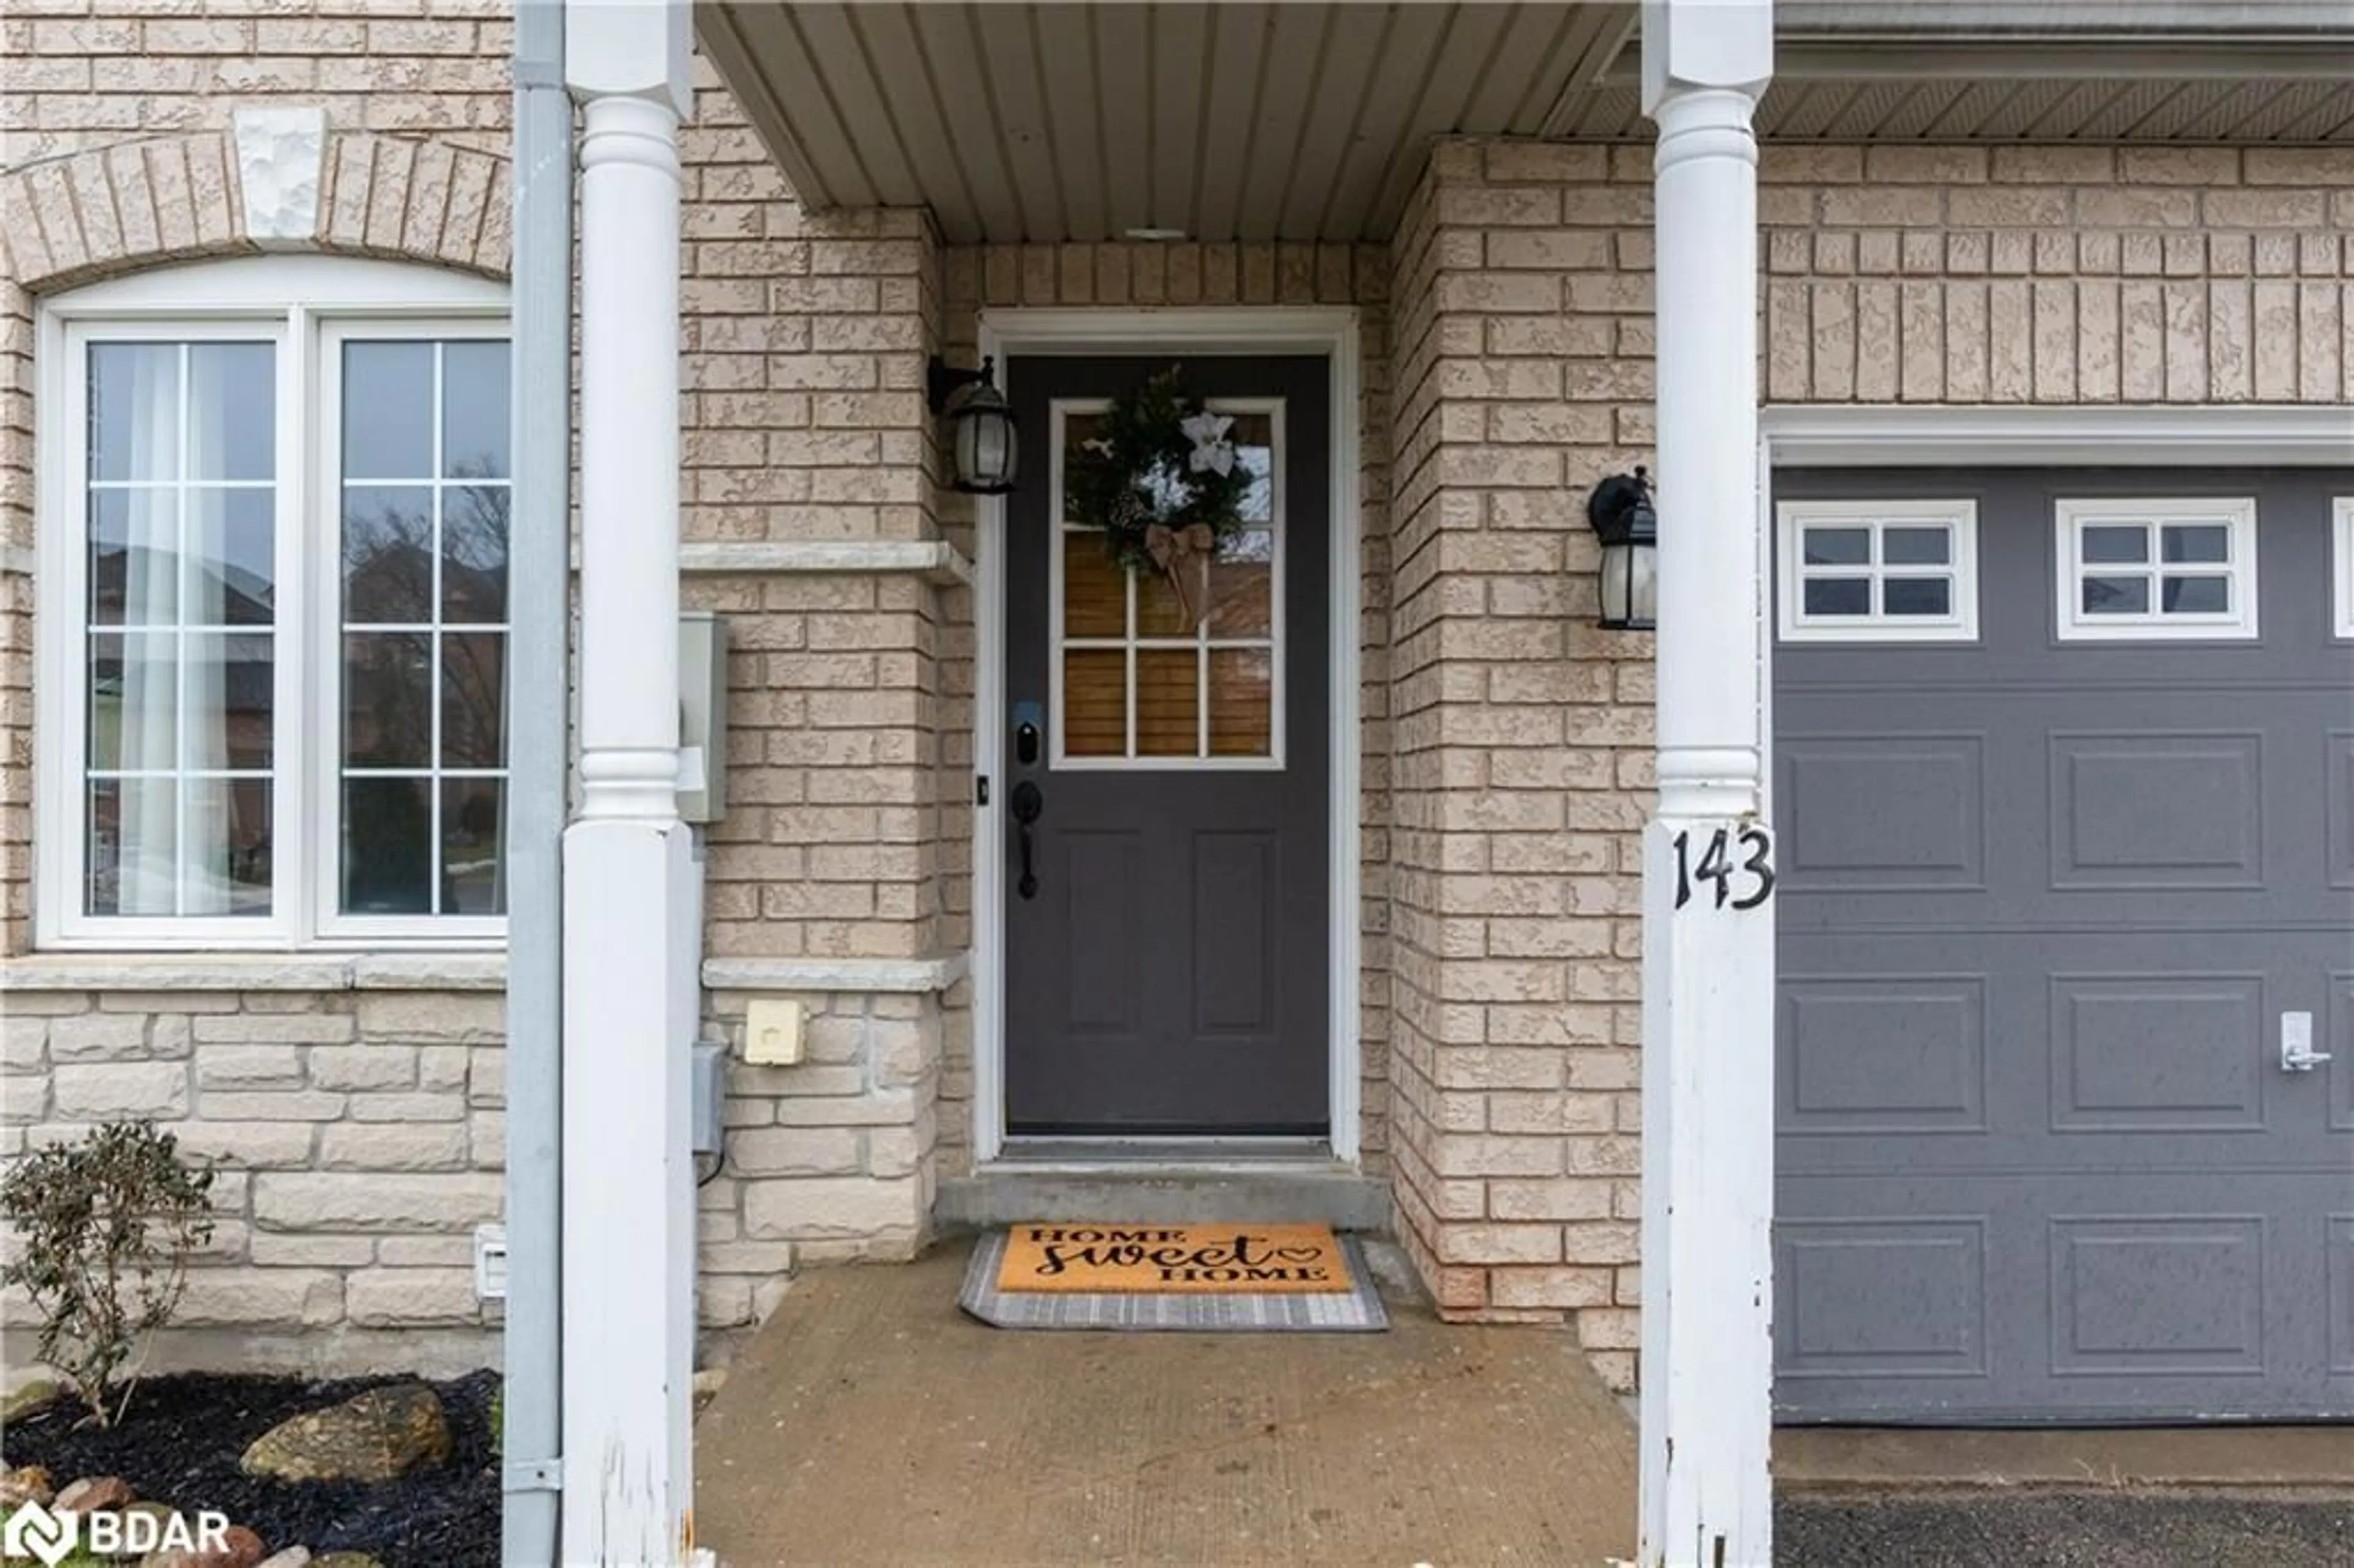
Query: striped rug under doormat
x=1125 y=1297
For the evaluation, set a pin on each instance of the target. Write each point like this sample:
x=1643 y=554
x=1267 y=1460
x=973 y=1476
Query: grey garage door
x=2053 y=886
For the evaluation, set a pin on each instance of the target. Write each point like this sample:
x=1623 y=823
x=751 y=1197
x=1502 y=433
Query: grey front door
x=2053 y=886
x=1166 y=907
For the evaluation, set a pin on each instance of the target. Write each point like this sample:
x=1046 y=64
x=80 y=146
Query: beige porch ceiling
x=1084 y=122
x=1037 y=121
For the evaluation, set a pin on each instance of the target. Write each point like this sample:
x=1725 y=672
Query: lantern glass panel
x=1630 y=589
x=984 y=448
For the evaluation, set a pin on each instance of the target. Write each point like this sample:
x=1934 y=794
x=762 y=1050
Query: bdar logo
x=33 y=1532
x=49 y=1534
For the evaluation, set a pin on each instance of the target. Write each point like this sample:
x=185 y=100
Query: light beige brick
x=277 y=1298
x=374 y=1201
x=830 y=1208
x=120 y=1090
x=370 y=1066
x=402 y=1297
x=249 y=1067
x=393 y=1146
x=97 y=1037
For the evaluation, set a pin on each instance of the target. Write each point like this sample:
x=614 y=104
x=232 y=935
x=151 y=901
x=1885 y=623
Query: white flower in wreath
x=1213 y=452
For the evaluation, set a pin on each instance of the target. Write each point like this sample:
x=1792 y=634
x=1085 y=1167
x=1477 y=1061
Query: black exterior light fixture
x=1619 y=511
x=982 y=444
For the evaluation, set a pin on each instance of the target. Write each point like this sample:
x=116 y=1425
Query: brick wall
x=1522 y=347
x=2058 y=275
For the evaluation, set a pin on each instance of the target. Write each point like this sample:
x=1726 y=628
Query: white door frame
x=1329 y=331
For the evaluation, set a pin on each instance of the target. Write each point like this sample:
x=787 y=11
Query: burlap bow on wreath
x=1184 y=554
x=1161 y=478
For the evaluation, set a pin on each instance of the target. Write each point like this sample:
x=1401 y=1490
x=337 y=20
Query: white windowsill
x=254 y=972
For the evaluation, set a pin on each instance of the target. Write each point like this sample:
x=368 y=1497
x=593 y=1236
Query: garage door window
x=1878 y=571
x=2341 y=564
x=2156 y=569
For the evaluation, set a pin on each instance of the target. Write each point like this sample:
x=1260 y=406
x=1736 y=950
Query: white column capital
x=1703 y=45
x=630 y=49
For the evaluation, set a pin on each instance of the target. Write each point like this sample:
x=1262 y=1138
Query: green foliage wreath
x=1158 y=467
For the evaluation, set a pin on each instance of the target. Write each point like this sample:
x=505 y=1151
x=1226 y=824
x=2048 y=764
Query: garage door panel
x=2336 y=1037
x=1897 y=813
x=2338 y=830
x=1892 y=1054
x=2176 y=812
x=2045 y=908
x=1864 y=1298
x=2340 y=1242
x=2142 y=1296
x=2049 y=1051
x=1969 y=1298
x=2158 y=1052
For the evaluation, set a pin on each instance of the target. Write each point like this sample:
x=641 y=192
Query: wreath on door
x=1161 y=478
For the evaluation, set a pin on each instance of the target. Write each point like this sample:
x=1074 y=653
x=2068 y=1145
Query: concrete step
x=1157 y=1192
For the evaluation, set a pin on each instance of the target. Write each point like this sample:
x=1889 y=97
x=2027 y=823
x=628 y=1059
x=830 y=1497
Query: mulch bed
x=186 y=1434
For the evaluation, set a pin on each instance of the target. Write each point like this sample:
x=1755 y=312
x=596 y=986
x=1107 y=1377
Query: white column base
x=1708 y=1152
x=629 y=1018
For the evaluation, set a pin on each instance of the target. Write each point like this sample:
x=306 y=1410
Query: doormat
x=1215 y=1278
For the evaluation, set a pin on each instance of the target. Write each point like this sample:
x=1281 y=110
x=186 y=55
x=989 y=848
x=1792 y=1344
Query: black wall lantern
x=981 y=443
x=1620 y=513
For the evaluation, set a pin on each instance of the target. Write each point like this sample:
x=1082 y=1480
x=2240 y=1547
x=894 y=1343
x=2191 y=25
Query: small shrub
x=106 y=1226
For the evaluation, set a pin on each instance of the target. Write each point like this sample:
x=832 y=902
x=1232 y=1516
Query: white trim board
x=1327 y=331
x=2141 y=436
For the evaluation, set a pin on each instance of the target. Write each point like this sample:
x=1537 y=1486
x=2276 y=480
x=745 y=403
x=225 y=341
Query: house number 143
x=1719 y=864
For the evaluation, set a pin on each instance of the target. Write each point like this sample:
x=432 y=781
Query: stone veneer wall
x=1128 y=275
x=358 y=1125
x=1520 y=735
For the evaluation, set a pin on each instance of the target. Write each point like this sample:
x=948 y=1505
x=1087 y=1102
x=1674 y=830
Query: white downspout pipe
x=539 y=590
x=1708 y=940
x=631 y=902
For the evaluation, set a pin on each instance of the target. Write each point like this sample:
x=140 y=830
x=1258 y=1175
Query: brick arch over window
x=116 y=209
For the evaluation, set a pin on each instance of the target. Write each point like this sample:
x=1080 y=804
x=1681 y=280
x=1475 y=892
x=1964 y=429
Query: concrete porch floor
x=871 y=1422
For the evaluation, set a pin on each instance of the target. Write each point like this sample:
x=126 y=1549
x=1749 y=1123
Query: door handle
x=2297 y=1054
x=1029 y=800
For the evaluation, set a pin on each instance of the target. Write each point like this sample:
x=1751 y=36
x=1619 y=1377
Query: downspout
x=539 y=588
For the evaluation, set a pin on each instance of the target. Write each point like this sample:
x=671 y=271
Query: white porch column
x=1708 y=962
x=630 y=902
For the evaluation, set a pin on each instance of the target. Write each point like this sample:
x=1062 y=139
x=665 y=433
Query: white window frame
x=289 y=300
x=2070 y=515
x=1958 y=517
x=2341 y=567
x=1059 y=536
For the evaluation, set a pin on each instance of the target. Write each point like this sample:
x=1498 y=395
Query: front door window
x=1140 y=680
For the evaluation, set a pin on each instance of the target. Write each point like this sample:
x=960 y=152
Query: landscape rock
x=293 y=1557
x=30 y=1484
x=345 y=1560
x=30 y=1399
x=370 y=1437
x=95 y=1494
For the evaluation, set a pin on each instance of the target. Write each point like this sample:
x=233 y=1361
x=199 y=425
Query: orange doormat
x=1053 y=1257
